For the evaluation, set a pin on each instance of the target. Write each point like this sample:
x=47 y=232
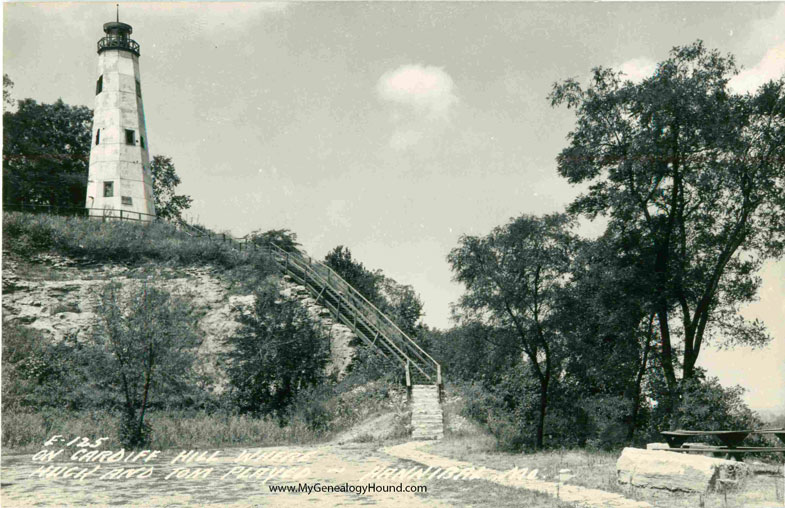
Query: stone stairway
x=427 y=418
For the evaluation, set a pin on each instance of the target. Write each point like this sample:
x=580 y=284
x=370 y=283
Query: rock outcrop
x=659 y=469
x=58 y=296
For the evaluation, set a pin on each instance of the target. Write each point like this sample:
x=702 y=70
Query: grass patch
x=26 y=432
x=121 y=242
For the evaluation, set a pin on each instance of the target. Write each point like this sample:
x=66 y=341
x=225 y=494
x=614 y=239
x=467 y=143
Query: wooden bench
x=731 y=441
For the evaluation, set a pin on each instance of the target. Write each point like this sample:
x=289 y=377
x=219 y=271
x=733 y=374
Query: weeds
x=122 y=242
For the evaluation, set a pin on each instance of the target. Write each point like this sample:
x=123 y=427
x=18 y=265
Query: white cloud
x=420 y=100
x=427 y=90
x=637 y=69
x=770 y=33
x=771 y=66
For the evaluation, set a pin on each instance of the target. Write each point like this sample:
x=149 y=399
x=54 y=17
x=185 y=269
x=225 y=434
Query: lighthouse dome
x=115 y=27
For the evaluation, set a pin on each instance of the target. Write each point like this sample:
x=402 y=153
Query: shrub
x=149 y=339
x=278 y=352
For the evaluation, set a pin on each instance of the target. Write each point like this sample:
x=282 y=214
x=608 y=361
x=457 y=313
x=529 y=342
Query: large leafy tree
x=513 y=277
x=46 y=150
x=278 y=352
x=606 y=317
x=699 y=172
x=168 y=204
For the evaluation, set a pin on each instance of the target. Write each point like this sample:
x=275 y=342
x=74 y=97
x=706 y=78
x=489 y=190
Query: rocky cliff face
x=58 y=296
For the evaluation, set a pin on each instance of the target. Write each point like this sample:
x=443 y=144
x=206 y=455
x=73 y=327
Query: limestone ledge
x=58 y=296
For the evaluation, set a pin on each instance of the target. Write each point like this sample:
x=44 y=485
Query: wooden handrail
x=356 y=312
x=352 y=306
x=377 y=320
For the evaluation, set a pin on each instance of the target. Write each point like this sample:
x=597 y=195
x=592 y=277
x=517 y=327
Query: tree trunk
x=636 y=396
x=544 y=381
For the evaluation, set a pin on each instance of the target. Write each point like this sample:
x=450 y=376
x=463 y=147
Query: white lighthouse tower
x=119 y=182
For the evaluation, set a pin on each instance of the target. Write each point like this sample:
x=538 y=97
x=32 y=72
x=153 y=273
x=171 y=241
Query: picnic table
x=731 y=442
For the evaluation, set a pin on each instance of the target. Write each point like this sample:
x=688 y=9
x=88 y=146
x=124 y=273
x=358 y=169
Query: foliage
x=328 y=408
x=513 y=277
x=402 y=305
x=8 y=102
x=698 y=173
x=46 y=150
x=39 y=374
x=283 y=238
x=171 y=429
x=473 y=352
x=168 y=205
x=607 y=320
x=151 y=339
x=126 y=242
x=278 y=352
x=399 y=302
x=704 y=405
x=354 y=272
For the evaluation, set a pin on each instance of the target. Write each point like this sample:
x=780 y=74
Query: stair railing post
x=408 y=382
x=439 y=383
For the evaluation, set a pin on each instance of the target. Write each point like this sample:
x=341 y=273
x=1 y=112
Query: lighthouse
x=119 y=182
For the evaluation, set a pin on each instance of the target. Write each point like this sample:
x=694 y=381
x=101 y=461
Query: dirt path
x=589 y=498
x=237 y=480
x=225 y=485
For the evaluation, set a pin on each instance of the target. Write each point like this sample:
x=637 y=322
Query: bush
x=278 y=352
x=149 y=341
x=332 y=407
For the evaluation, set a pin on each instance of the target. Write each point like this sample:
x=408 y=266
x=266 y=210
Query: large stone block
x=658 y=469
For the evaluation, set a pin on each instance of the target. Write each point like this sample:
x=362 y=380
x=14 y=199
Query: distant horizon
x=390 y=128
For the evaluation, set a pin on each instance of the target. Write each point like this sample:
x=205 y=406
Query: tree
x=605 y=315
x=7 y=86
x=366 y=282
x=168 y=205
x=282 y=238
x=278 y=352
x=151 y=339
x=512 y=279
x=46 y=151
x=699 y=173
x=402 y=305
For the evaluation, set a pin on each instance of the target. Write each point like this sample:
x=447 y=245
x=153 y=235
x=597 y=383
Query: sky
x=390 y=128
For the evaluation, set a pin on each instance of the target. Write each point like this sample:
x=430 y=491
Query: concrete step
x=427 y=416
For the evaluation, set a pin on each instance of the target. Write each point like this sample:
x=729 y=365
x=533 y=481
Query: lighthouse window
x=141 y=141
x=129 y=137
x=108 y=189
x=126 y=200
x=99 y=85
x=138 y=89
x=97 y=136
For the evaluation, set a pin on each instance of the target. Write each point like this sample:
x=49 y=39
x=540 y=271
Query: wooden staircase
x=423 y=374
